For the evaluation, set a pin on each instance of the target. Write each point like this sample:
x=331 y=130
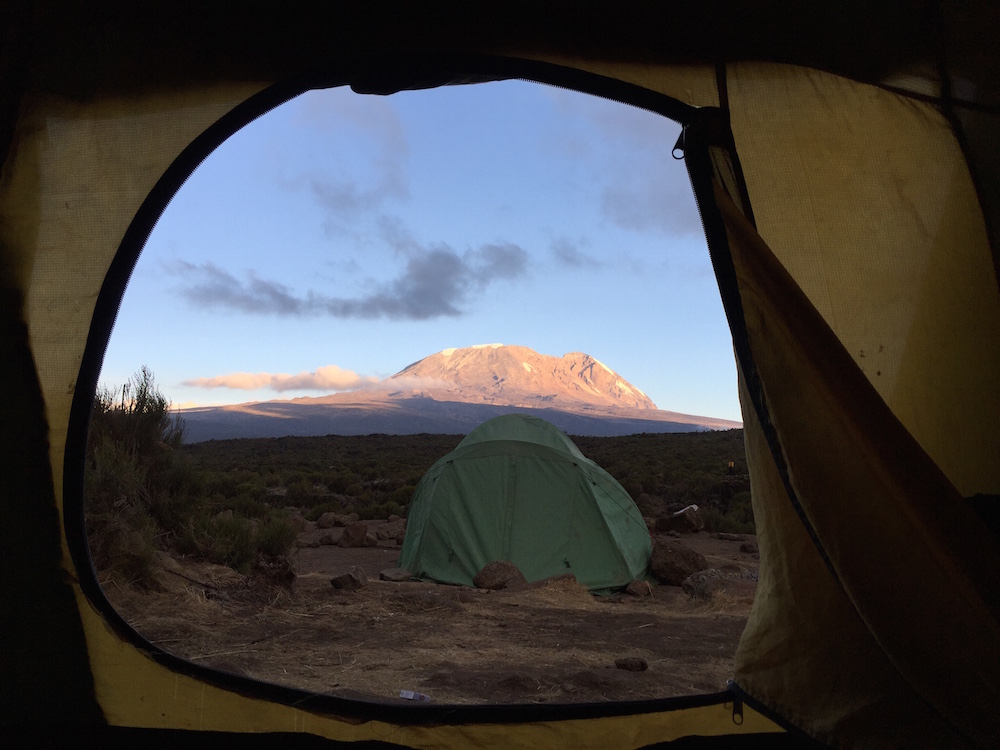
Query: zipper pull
x=678 y=150
x=737 y=710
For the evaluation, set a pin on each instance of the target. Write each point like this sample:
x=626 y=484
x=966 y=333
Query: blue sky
x=341 y=237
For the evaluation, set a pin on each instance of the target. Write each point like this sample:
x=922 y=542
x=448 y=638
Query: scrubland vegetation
x=143 y=494
x=228 y=501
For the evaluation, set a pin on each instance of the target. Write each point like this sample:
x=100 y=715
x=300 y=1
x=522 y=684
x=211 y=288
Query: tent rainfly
x=845 y=158
x=516 y=488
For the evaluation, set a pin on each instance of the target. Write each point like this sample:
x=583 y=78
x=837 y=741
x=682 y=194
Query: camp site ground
x=547 y=643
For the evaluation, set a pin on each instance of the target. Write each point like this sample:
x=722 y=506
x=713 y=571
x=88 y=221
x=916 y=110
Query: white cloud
x=327 y=378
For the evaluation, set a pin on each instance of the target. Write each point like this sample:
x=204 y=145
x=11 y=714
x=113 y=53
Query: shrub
x=140 y=491
x=127 y=485
x=736 y=518
x=276 y=537
x=300 y=491
x=224 y=539
x=248 y=506
x=402 y=495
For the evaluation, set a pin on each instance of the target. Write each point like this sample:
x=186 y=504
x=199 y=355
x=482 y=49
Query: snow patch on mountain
x=519 y=376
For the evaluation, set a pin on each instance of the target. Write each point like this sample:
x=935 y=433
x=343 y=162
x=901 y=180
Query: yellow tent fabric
x=846 y=163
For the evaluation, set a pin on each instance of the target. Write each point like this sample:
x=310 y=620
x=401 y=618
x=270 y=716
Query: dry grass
x=553 y=642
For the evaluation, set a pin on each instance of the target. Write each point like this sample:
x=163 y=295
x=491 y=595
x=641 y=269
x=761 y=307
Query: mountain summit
x=520 y=377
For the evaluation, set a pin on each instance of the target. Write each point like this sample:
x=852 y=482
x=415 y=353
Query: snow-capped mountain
x=519 y=376
x=455 y=390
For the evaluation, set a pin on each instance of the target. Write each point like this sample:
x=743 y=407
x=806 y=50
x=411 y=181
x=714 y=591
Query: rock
x=396 y=575
x=306 y=542
x=356 y=535
x=393 y=518
x=391 y=530
x=686 y=521
x=326 y=521
x=632 y=664
x=674 y=534
x=498 y=574
x=733 y=580
x=353 y=579
x=639 y=588
x=346 y=520
x=297 y=521
x=672 y=562
x=750 y=548
x=310 y=526
x=327 y=539
x=729 y=537
x=702 y=584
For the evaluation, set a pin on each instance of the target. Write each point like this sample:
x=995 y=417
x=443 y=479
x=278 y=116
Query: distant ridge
x=455 y=390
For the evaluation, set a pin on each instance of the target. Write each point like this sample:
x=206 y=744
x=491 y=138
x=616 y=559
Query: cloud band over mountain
x=328 y=378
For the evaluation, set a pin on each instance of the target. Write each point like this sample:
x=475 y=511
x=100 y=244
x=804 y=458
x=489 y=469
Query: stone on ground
x=396 y=575
x=672 y=562
x=685 y=521
x=353 y=579
x=639 y=588
x=356 y=535
x=498 y=574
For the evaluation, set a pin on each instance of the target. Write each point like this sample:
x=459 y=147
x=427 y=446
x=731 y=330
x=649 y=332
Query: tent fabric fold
x=908 y=552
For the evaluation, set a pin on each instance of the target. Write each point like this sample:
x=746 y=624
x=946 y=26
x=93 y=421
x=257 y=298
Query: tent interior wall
x=845 y=160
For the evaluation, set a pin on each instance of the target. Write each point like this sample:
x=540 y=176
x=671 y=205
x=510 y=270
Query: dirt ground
x=552 y=642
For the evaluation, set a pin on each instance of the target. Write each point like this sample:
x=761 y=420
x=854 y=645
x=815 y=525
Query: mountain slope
x=455 y=390
x=519 y=376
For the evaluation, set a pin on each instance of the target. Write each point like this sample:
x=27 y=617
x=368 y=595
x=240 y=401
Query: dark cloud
x=435 y=282
x=346 y=201
x=210 y=286
x=569 y=255
x=491 y=262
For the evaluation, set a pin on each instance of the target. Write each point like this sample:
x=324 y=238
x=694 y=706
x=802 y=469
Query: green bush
x=142 y=493
x=300 y=491
x=224 y=539
x=235 y=540
x=736 y=518
x=130 y=481
x=248 y=506
x=276 y=537
x=403 y=495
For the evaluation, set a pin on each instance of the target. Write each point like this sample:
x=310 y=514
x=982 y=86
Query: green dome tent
x=516 y=488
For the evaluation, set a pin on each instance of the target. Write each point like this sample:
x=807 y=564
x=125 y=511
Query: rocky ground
x=545 y=642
